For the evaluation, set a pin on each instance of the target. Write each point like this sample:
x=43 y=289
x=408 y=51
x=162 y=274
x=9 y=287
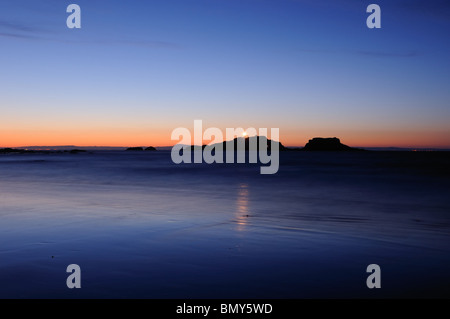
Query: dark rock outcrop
x=327 y=144
x=22 y=151
x=248 y=144
x=150 y=148
x=11 y=150
x=76 y=151
x=135 y=149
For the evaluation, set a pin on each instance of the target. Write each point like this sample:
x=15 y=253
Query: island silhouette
x=327 y=144
x=252 y=144
x=150 y=148
x=27 y=151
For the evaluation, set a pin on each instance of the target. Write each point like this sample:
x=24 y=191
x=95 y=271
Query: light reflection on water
x=242 y=204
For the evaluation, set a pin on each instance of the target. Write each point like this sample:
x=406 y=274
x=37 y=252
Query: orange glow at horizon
x=114 y=138
x=162 y=137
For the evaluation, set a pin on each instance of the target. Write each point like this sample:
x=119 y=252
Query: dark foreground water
x=140 y=226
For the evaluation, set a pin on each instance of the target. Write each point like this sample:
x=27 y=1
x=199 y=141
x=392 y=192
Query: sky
x=136 y=70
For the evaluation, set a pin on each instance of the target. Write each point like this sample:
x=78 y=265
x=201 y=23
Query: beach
x=140 y=226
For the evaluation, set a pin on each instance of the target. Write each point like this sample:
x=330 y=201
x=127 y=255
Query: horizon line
x=170 y=146
x=440 y=147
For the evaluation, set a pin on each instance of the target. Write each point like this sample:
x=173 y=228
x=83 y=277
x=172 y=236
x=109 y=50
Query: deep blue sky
x=138 y=69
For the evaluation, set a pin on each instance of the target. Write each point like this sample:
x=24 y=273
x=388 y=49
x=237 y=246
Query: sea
x=139 y=226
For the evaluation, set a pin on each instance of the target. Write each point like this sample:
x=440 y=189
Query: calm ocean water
x=140 y=226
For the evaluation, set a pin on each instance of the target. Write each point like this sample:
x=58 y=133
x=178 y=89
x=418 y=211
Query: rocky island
x=250 y=144
x=314 y=144
x=327 y=144
x=150 y=148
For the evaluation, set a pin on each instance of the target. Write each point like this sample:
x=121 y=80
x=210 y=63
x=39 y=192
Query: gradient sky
x=136 y=70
